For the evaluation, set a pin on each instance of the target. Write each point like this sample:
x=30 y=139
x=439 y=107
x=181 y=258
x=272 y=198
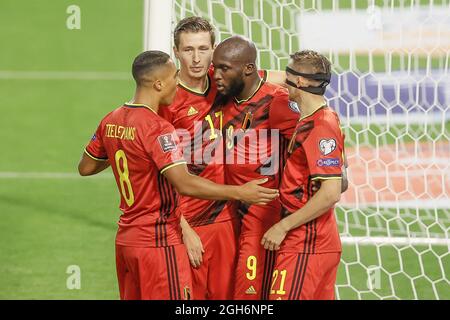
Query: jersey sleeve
x=282 y=115
x=95 y=149
x=324 y=152
x=163 y=146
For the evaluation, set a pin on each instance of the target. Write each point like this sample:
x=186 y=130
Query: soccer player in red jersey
x=212 y=240
x=148 y=165
x=212 y=228
x=257 y=119
x=307 y=238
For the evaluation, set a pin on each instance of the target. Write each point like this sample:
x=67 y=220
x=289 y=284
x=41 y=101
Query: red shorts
x=214 y=279
x=304 y=276
x=153 y=273
x=254 y=269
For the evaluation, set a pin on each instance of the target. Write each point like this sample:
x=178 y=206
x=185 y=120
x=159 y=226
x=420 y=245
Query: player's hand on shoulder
x=253 y=193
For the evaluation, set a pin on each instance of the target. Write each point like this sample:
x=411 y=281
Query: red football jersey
x=199 y=123
x=317 y=152
x=198 y=126
x=256 y=132
x=140 y=146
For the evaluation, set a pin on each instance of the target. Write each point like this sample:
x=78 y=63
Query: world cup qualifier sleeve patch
x=327 y=146
x=167 y=143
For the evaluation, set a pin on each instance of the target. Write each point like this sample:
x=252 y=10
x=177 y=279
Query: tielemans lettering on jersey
x=316 y=153
x=256 y=134
x=140 y=146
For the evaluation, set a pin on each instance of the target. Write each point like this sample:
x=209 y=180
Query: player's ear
x=158 y=85
x=302 y=82
x=249 y=69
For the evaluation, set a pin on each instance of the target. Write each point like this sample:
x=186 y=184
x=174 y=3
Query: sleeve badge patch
x=294 y=106
x=327 y=146
x=167 y=143
x=329 y=162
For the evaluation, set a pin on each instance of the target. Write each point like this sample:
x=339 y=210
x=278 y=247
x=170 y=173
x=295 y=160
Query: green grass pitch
x=50 y=223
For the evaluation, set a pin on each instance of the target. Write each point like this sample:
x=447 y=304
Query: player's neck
x=148 y=100
x=310 y=103
x=195 y=84
x=250 y=90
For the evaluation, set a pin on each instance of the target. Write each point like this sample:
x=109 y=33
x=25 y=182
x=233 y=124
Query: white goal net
x=391 y=88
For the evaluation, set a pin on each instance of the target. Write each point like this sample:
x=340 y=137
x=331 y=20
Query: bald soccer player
x=211 y=229
x=258 y=121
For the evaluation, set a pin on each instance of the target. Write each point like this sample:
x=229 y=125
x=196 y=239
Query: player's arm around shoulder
x=276 y=77
x=191 y=185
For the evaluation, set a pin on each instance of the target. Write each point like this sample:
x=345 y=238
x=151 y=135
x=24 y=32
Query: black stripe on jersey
x=294 y=279
x=167 y=190
x=157 y=222
x=243 y=209
x=209 y=214
x=252 y=107
x=302 y=280
x=176 y=278
x=297 y=281
x=302 y=134
x=216 y=210
x=168 y=269
x=283 y=155
x=269 y=263
x=311 y=245
x=304 y=263
x=172 y=274
x=315 y=237
x=161 y=212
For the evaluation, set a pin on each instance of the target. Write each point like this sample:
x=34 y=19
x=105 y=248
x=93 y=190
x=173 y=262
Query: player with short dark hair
x=257 y=120
x=148 y=165
x=307 y=238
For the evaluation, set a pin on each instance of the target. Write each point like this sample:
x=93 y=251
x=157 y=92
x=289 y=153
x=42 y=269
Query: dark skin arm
x=89 y=166
x=191 y=185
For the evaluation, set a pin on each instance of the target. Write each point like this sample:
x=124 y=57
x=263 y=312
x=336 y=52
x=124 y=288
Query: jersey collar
x=261 y=82
x=199 y=93
x=139 y=105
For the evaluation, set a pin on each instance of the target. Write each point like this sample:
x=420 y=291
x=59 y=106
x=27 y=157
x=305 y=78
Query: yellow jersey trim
x=326 y=178
x=181 y=84
x=171 y=166
x=139 y=105
x=261 y=82
x=95 y=158
x=318 y=108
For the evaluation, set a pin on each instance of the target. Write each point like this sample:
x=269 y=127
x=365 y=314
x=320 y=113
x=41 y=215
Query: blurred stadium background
x=391 y=87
